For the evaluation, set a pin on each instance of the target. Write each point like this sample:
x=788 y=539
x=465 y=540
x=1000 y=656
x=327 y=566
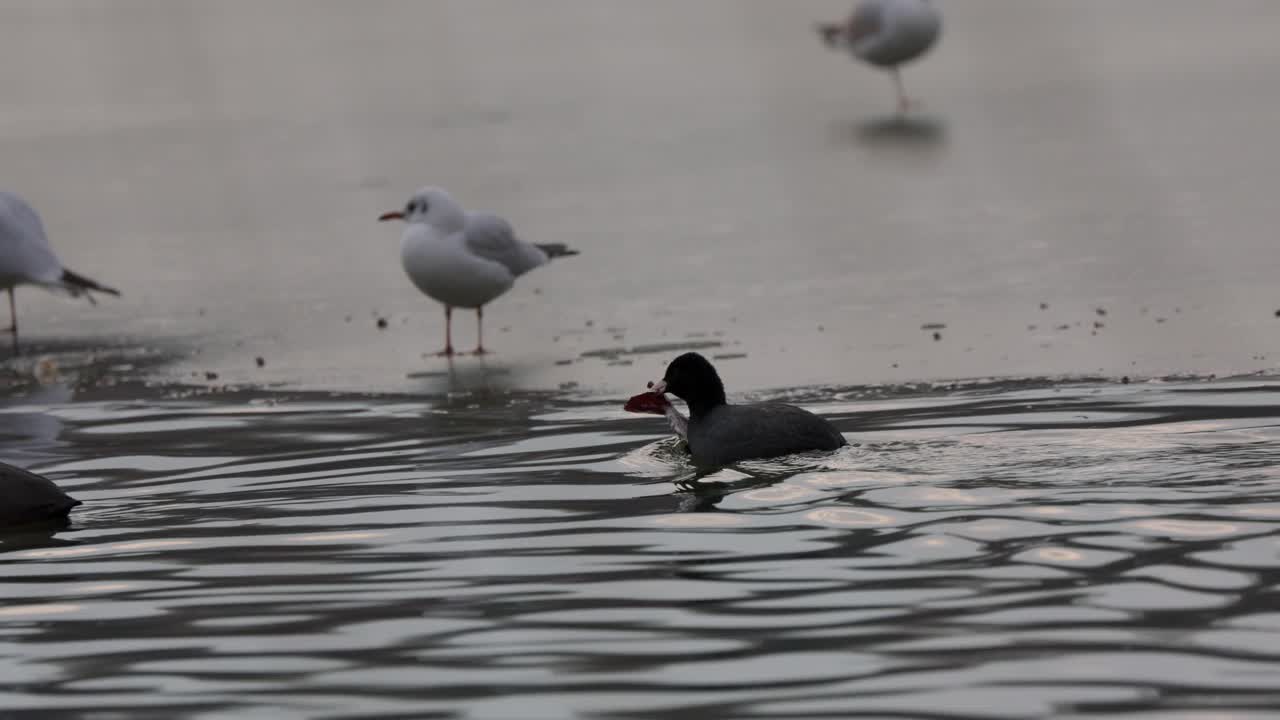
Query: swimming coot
x=720 y=433
x=28 y=498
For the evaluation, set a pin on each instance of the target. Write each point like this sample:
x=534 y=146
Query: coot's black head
x=691 y=378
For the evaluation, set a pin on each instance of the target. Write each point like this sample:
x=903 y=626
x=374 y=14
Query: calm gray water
x=1004 y=550
x=290 y=512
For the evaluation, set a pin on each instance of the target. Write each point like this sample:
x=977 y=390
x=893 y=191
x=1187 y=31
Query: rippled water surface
x=1005 y=550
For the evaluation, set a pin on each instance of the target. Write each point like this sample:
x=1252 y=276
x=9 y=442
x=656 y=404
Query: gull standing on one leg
x=887 y=34
x=27 y=259
x=463 y=259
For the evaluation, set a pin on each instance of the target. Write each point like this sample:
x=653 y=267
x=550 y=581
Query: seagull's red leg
x=448 y=333
x=480 y=332
x=904 y=103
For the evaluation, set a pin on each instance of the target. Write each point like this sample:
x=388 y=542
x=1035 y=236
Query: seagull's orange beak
x=393 y=215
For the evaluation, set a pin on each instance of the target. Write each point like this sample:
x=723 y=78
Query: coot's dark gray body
x=27 y=498
x=729 y=433
x=722 y=434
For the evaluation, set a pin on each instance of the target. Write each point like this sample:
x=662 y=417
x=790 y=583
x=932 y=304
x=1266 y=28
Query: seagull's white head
x=431 y=206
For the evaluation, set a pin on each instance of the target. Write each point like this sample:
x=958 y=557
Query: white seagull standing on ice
x=887 y=34
x=463 y=259
x=26 y=258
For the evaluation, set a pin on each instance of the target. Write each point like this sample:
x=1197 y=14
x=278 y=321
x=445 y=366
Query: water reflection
x=28 y=432
x=36 y=536
x=478 y=375
x=914 y=132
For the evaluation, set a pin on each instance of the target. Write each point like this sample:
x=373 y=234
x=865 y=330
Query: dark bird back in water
x=29 y=498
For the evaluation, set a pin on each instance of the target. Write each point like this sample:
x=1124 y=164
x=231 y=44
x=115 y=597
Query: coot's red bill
x=647 y=402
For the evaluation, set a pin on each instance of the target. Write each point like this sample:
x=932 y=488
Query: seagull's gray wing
x=865 y=24
x=492 y=238
x=25 y=255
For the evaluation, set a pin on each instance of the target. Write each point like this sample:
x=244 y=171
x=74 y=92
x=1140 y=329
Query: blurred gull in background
x=887 y=34
x=463 y=259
